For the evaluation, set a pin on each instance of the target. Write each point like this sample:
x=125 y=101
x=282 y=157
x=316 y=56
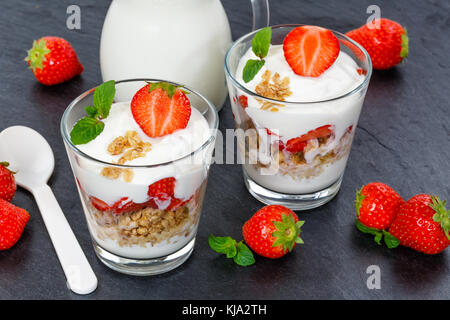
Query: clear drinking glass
x=141 y=237
x=273 y=175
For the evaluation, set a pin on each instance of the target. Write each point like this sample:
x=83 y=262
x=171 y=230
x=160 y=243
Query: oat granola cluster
x=278 y=89
x=131 y=147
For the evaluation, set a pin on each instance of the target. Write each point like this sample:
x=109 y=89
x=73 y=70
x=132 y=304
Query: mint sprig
x=238 y=251
x=260 y=47
x=89 y=127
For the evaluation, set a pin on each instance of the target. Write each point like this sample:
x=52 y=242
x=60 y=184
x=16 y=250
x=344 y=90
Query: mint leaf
x=85 y=130
x=225 y=245
x=169 y=88
x=240 y=253
x=91 y=111
x=251 y=68
x=88 y=128
x=104 y=97
x=261 y=42
x=244 y=256
x=390 y=240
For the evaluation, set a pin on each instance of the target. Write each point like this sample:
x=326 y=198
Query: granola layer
x=296 y=165
x=148 y=226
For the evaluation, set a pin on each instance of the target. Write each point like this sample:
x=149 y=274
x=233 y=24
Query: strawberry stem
x=287 y=233
x=405 y=45
x=358 y=201
x=441 y=215
x=36 y=55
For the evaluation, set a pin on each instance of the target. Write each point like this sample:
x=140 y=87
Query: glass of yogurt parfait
x=141 y=170
x=296 y=94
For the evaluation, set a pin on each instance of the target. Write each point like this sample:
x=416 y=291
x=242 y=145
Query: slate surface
x=402 y=139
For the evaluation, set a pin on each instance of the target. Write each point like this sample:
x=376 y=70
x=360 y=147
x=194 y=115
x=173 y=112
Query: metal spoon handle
x=80 y=276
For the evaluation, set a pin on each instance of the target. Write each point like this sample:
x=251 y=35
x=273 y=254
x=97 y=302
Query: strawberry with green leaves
x=273 y=231
x=385 y=40
x=376 y=206
x=8 y=185
x=423 y=224
x=12 y=223
x=53 y=60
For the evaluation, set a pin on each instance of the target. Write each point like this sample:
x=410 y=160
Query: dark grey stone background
x=402 y=139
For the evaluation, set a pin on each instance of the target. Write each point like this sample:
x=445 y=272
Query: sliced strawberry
x=270 y=132
x=310 y=50
x=298 y=144
x=176 y=203
x=99 y=204
x=162 y=189
x=162 y=110
x=123 y=205
x=295 y=145
x=361 y=71
x=319 y=132
x=243 y=100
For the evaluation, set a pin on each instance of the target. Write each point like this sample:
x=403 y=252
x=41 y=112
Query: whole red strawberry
x=53 y=60
x=385 y=40
x=7 y=182
x=423 y=224
x=12 y=223
x=377 y=205
x=273 y=231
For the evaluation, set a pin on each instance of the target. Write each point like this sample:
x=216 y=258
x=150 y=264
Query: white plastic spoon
x=31 y=157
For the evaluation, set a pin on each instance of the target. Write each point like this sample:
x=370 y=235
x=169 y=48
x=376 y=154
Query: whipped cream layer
x=340 y=78
x=189 y=172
